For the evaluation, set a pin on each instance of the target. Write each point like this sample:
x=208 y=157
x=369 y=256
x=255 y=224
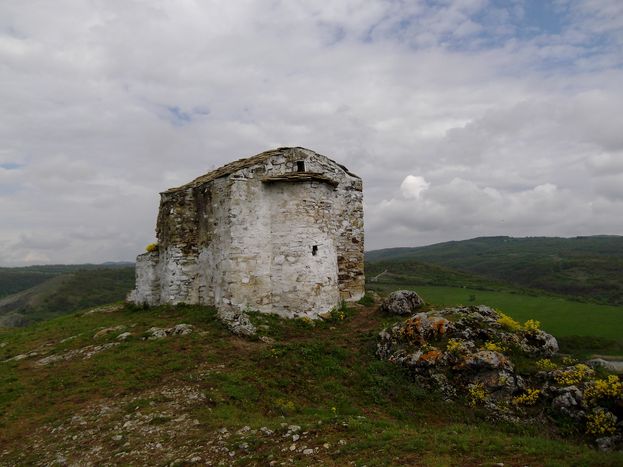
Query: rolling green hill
x=588 y=268
x=13 y=280
x=63 y=290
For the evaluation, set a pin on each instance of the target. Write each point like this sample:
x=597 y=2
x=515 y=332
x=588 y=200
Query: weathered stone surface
x=468 y=353
x=401 y=302
x=177 y=330
x=237 y=321
x=280 y=232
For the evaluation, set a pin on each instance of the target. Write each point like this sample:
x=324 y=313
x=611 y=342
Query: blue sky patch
x=10 y=165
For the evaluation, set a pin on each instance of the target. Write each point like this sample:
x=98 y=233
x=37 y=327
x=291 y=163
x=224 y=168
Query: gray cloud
x=512 y=127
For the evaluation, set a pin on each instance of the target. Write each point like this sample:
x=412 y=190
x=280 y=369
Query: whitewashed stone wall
x=261 y=236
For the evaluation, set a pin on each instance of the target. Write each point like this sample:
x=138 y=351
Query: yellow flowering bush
x=529 y=398
x=307 y=321
x=151 y=247
x=454 y=346
x=574 y=375
x=569 y=360
x=545 y=364
x=286 y=407
x=339 y=313
x=532 y=325
x=601 y=422
x=507 y=322
x=604 y=388
x=476 y=393
x=493 y=346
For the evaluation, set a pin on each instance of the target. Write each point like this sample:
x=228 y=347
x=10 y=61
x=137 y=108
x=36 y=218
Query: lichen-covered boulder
x=401 y=302
x=486 y=358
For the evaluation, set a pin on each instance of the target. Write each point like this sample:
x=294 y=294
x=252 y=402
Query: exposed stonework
x=280 y=232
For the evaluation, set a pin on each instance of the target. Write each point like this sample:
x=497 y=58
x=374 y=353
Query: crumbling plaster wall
x=244 y=241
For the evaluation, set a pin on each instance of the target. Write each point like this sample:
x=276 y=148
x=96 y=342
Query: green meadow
x=558 y=316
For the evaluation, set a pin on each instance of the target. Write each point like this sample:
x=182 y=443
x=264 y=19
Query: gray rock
x=568 y=401
x=177 y=330
x=124 y=336
x=485 y=359
x=237 y=321
x=401 y=302
x=542 y=343
x=106 y=331
x=614 y=366
x=607 y=443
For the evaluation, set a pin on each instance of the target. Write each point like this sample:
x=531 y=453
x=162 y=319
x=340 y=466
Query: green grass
x=557 y=316
x=581 y=328
x=323 y=376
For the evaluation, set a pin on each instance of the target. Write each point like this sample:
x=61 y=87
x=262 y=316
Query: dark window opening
x=314 y=250
x=300 y=166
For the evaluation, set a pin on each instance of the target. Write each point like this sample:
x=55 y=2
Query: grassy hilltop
x=305 y=394
x=72 y=391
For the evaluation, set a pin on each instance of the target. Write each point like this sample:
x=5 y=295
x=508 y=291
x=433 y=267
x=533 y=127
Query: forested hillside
x=589 y=268
x=44 y=292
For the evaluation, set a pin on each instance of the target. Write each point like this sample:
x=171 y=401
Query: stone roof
x=300 y=177
x=240 y=164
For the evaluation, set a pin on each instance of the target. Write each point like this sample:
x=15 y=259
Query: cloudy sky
x=463 y=117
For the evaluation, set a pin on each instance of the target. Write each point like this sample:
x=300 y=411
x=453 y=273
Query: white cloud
x=413 y=186
x=453 y=114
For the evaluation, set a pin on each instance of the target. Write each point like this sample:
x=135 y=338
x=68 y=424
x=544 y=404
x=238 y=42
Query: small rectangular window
x=300 y=166
x=314 y=250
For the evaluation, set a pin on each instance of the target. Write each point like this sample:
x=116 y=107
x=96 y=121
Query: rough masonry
x=280 y=232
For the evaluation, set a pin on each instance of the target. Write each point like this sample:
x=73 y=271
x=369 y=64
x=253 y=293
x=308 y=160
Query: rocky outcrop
x=467 y=353
x=401 y=302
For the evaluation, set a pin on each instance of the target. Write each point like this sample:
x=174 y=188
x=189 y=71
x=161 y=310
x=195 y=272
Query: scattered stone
x=104 y=309
x=106 y=331
x=84 y=353
x=237 y=321
x=267 y=340
x=244 y=430
x=70 y=338
x=177 y=330
x=326 y=316
x=124 y=336
x=610 y=365
x=266 y=431
x=308 y=451
x=401 y=302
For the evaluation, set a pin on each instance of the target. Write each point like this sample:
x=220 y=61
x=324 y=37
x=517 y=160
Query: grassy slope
x=585 y=267
x=324 y=378
x=66 y=293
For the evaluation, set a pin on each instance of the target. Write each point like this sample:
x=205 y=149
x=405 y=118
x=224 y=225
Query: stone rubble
x=160 y=333
x=84 y=353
